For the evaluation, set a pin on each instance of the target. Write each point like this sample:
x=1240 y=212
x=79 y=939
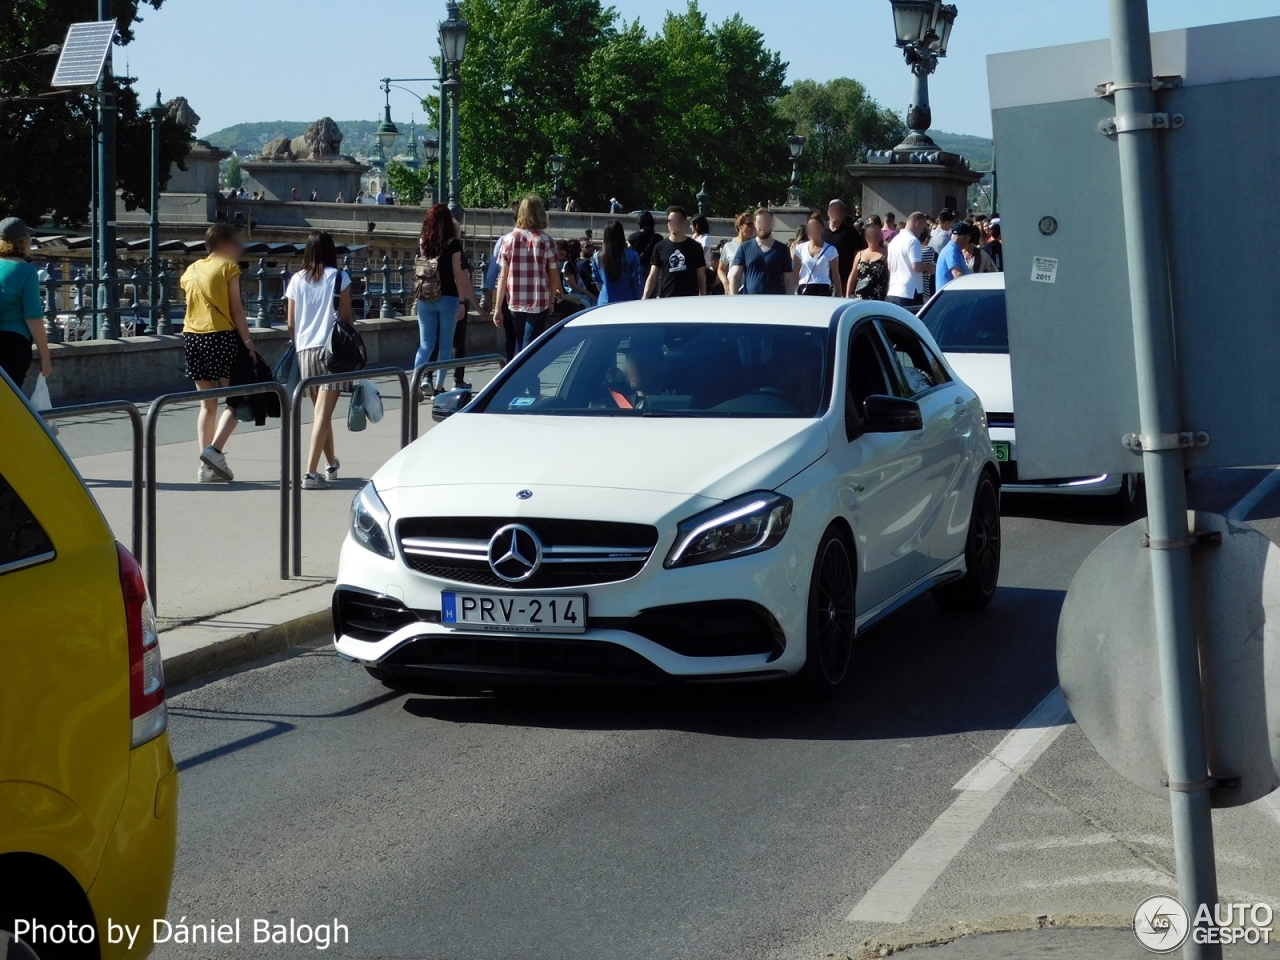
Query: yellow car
x=88 y=788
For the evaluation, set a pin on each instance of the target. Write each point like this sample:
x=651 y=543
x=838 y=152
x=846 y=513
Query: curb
x=885 y=946
x=238 y=650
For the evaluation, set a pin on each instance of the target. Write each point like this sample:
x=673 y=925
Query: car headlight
x=371 y=522
x=747 y=524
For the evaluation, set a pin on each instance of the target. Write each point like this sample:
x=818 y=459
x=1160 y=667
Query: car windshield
x=670 y=370
x=968 y=321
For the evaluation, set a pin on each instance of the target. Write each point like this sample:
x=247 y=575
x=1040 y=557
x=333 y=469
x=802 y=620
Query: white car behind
x=967 y=319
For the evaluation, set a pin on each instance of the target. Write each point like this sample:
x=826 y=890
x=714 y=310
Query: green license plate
x=1002 y=450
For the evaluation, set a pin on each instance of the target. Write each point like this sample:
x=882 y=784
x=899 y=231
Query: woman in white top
x=816 y=262
x=317 y=294
x=702 y=233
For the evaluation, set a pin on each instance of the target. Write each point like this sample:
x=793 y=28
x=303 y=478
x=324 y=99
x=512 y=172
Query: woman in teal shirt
x=21 y=312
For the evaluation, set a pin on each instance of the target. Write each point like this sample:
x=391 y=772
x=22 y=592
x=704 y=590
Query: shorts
x=211 y=355
x=311 y=364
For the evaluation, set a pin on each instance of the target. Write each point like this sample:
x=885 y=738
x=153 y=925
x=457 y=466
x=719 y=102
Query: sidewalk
x=219 y=597
x=1045 y=943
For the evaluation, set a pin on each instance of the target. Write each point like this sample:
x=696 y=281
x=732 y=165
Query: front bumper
x=625 y=639
x=1101 y=485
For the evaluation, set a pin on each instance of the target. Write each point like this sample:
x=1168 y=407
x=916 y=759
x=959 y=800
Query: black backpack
x=344 y=353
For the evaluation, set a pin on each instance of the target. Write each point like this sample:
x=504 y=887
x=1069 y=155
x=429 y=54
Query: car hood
x=987 y=375
x=674 y=455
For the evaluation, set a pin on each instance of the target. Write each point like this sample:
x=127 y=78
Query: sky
x=250 y=60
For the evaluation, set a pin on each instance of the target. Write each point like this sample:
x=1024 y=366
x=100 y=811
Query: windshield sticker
x=522 y=402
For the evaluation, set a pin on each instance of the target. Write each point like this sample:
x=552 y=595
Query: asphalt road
x=688 y=823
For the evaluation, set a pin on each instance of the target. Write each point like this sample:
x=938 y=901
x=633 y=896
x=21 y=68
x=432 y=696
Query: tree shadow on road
x=922 y=672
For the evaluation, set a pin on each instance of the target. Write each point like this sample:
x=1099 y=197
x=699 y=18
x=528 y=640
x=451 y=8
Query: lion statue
x=323 y=140
x=180 y=112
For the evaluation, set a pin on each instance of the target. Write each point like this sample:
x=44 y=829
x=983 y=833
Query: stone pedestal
x=278 y=178
x=902 y=188
x=201 y=175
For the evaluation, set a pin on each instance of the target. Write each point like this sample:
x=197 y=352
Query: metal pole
x=1153 y=338
x=455 y=180
x=107 y=181
x=444 y=125
x=94 y=257
x=158 y=325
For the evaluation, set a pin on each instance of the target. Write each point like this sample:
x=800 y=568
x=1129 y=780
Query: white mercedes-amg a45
x=714 y=489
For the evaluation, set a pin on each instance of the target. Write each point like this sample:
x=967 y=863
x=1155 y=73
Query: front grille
x=364 y=616
x=525 y=656
x=575 y=552
x=721 y=628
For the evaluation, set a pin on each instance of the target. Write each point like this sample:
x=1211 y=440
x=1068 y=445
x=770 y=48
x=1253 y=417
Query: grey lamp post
x=431 y=150
x=159 y=325
x=795 y=196
x=704 y=199
x=387 y=133
x=923 y=29
x=557 y=168
x=453 y=48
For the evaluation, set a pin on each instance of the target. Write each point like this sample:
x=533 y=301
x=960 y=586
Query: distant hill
x=248 y=139
x=979 y=150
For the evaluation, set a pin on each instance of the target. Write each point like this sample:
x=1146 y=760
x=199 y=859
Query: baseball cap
x=11 y=229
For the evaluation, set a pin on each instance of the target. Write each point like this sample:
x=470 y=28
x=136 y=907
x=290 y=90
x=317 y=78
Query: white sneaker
x=206 y=475
x=217 y=462
x=314 y=481
x=331 y=471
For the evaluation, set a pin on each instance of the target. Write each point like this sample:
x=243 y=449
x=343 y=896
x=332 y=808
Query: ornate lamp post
x=795 y=196
x=923 y=29
x=431 y=150
x=557 y=168
x=387 y=133
x=704 y=199
x=155 y=113
x=453 y=48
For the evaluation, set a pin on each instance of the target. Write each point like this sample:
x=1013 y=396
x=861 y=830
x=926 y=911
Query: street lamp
x=155 y=112
x=431 y=151
x=704 y=199
x=387 y=133
x=453 y=48
x=795 y=196
x=923 y=31
x=557 y=168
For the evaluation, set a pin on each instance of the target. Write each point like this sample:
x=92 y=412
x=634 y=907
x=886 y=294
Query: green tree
x=410 y=186
x=234 y=177
x=840 y=123
x=46 y=169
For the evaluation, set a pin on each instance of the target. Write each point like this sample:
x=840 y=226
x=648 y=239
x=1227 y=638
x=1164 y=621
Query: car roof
x=976 y=281
x=789 y=311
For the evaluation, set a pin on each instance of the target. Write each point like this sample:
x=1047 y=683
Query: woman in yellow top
x=212 y=334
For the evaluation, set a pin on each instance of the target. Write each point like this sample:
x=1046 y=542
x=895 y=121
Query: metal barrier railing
x=420 y=373
x=295 y=458
x=135 y=420
x=153 y=415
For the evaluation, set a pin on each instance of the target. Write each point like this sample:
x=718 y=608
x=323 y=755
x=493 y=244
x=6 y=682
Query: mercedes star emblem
x=524 y=495
x=515 y=553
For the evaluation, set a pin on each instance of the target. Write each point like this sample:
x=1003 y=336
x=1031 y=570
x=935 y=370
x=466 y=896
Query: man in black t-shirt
x=842 y=234
x=678 y=266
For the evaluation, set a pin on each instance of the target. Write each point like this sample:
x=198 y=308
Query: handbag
x=371 y=400
x=356 y=417
x=345 y=352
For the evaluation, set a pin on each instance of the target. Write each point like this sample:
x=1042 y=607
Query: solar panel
x=84 y=54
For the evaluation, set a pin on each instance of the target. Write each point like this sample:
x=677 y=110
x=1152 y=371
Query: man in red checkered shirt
x=530 y=280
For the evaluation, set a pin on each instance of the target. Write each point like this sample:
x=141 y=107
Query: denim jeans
x=529 y=326
x=436 y=320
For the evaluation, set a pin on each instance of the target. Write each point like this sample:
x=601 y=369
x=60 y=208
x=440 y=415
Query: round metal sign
x=1048 y=226
x=1110 y=673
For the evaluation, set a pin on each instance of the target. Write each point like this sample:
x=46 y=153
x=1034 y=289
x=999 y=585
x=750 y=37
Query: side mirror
x=447 y=404
x=881 y=414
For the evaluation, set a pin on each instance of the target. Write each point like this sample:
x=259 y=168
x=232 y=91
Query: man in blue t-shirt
x=762 y=264
x=951 y=262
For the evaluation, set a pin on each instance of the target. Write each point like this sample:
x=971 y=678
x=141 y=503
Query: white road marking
x=896 y=894
x=1143 y=875
x=1245 y=506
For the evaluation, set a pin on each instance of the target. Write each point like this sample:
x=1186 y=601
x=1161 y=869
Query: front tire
x=830 y=622
x=977 y=587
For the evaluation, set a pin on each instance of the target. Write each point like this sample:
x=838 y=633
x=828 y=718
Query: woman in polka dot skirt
x=212 y=334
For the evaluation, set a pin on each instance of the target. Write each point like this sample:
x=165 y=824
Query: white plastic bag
x=372 y=400
x=40 y=400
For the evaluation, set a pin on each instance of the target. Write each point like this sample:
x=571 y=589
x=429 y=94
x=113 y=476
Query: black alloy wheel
x=831 y=617
x=977 y=587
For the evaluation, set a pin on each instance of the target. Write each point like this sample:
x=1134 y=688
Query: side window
x=23 y=541
x=920 y=370
x=866 y=377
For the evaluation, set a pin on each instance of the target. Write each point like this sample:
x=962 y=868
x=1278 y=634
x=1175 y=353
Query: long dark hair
x=437 y=231
x=613 y=248
x=320 y=253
